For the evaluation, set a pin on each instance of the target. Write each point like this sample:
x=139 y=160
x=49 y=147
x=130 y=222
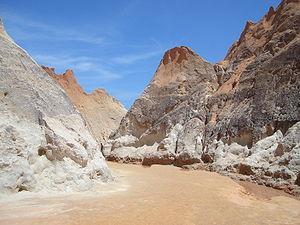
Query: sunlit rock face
x=171 y=112
x=259 y=79
x=101 y=111
x=228 y=115
x=45 y=144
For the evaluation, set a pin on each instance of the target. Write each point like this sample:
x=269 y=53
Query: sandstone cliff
x=259 y=78
x=239 y=117
x=181 y=79
x=102 y=112
x=44 y=142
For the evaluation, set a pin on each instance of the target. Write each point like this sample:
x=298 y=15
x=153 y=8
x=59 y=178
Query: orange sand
x=156 y=195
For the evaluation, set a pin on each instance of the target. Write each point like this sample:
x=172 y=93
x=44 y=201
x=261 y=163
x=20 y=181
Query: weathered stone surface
x=169 y=111
x=239 y=115
x=245 y=169
x=102 y=112
x=163 y=158
x=262 y=165
x=44 y=142
x=262 y=93
x=133 y=155
x=187 y=158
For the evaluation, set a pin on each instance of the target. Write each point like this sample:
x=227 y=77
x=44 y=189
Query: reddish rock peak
x=249 y=23
x=274 y=31
x=270 y=13
x=102 y=112
x=177 y=54
x=248 y=26
x=67 y=80
x=69 y=75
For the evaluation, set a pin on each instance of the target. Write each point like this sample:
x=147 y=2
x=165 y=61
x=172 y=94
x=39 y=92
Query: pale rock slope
x=239 y=117
x=44 y=142
x=101 y=111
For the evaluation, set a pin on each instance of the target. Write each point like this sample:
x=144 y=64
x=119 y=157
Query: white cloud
x=25 y=28
x=132 y=58
x=97 y=71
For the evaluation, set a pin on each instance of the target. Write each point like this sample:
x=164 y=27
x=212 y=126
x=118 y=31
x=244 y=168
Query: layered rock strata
x=238 y=117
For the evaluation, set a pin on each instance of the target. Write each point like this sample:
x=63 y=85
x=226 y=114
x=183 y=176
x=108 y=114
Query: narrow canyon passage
x=155 y=195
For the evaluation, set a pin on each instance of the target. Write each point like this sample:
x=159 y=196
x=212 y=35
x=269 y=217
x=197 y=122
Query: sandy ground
x=156 y=195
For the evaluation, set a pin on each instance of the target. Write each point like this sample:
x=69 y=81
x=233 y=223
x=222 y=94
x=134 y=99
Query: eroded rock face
x=239 y=116
x=258 y=103
x=262 y=165
x=102 y=112
x=172 y=111
x=45 y=144
x=262 y=93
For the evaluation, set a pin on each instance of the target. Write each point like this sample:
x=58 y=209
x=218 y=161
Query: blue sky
x=117 y=45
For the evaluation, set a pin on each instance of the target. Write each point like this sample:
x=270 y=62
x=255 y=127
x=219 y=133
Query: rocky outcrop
x=261 y=163
x=102 y=112
x=235 y=117
x=171 y=112
x=262 y=93
x=45 y=144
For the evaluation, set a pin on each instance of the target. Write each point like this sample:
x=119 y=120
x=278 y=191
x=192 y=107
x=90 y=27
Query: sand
x=155 y=195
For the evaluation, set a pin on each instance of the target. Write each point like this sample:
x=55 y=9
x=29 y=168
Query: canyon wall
x=239 y=117
x=45 y=144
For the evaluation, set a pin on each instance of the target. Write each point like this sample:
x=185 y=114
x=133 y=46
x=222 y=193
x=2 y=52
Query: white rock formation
x=273 y=161
x=44 y=142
